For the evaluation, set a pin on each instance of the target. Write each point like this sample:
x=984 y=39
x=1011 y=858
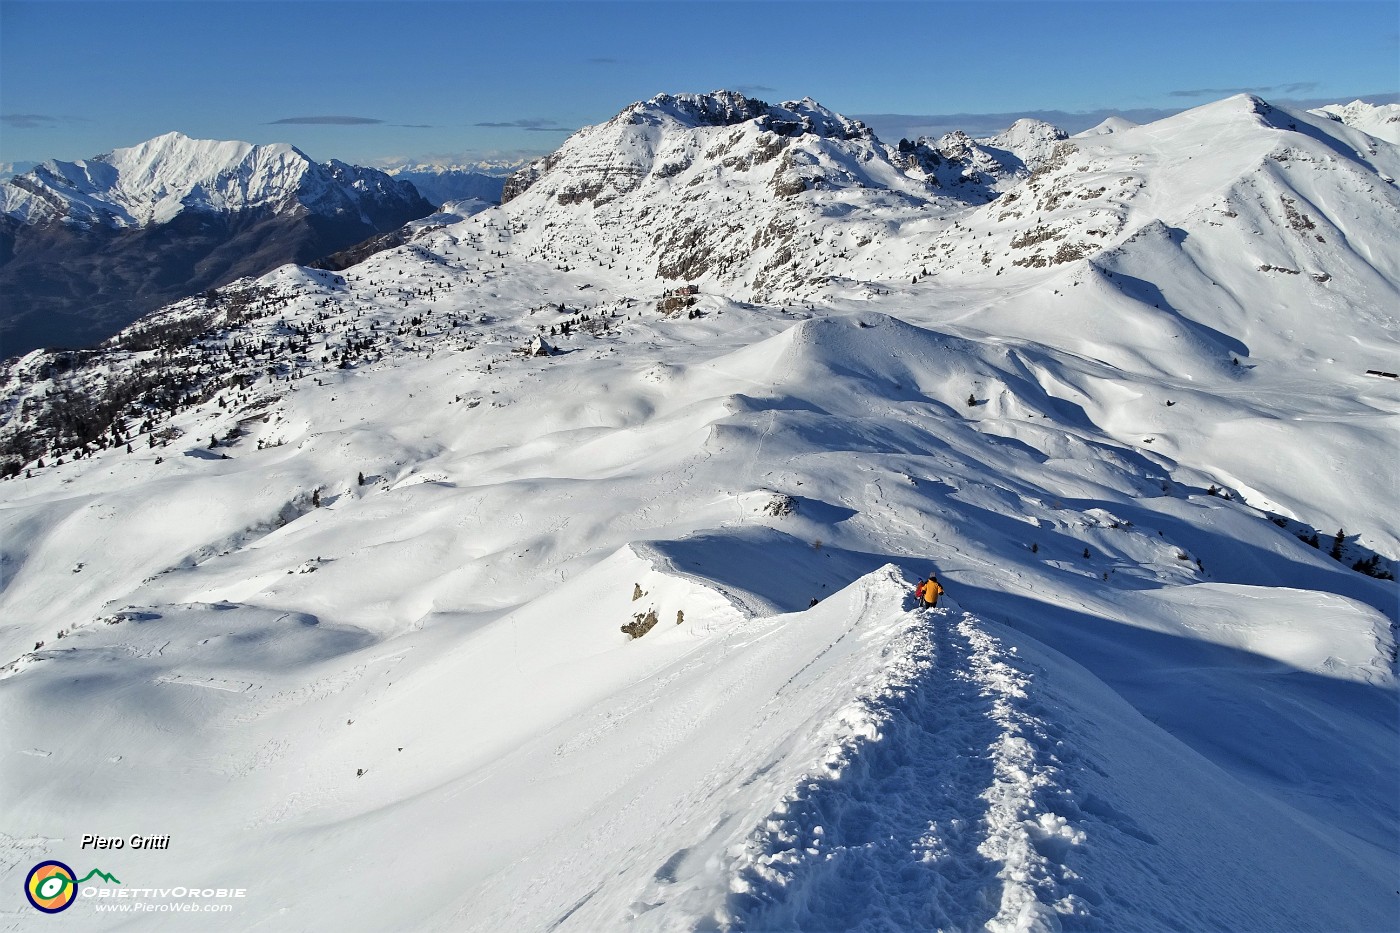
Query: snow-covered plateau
x=554 y=570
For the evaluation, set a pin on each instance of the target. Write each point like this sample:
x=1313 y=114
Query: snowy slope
x=349 y=616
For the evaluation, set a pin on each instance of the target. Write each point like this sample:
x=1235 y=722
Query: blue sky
x=371 y=81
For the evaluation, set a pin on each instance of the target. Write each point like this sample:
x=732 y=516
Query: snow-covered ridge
x=702 y=189
x=730 y=108
x=1380 y=120
x=155 y=181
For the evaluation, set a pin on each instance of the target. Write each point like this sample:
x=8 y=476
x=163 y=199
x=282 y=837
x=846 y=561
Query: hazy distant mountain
x=440 y=185
x=89 y=246
x=11 y=169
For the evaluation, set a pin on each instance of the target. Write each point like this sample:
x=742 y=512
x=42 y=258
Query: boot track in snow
x=945 y=820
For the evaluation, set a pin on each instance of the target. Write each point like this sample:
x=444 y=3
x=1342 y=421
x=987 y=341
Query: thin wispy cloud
x=531 y=125
x=30 y=121
x=1297 y=87
x=326 y=121
x=755 y=89
x=336 y=120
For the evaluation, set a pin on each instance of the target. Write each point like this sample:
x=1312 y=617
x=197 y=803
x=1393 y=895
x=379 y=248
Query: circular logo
x=51 y=886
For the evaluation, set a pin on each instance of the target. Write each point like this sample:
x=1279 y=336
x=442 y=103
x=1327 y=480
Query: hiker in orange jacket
x=929 y=591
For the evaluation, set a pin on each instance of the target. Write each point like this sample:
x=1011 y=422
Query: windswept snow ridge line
x=935 y=809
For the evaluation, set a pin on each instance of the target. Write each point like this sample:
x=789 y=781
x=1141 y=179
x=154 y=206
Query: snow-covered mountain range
x=553 y=569
x=88 y=246
x=705 y=189
x=154 y=182
x=1380 y=120
x=442 y=184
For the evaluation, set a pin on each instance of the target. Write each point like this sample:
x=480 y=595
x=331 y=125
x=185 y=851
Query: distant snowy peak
x=1380 y=120
x=674 y=135
x=1113 y=124
x=9 y=170
x=153 y=182
x=1016 y=151
x=442 y=185
x=1011 y=154
x=156 y=180
x=729 y=192
x=354 y=188
x=90 y=246
x=716 y=187
x=442 y=166
x=808 y=116
x=1027 y=136
x=730 y=108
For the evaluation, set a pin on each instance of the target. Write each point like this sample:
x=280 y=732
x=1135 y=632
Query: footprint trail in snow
x=944 y=818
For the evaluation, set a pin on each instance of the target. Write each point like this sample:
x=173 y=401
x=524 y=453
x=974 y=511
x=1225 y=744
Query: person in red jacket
x=929 y=591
